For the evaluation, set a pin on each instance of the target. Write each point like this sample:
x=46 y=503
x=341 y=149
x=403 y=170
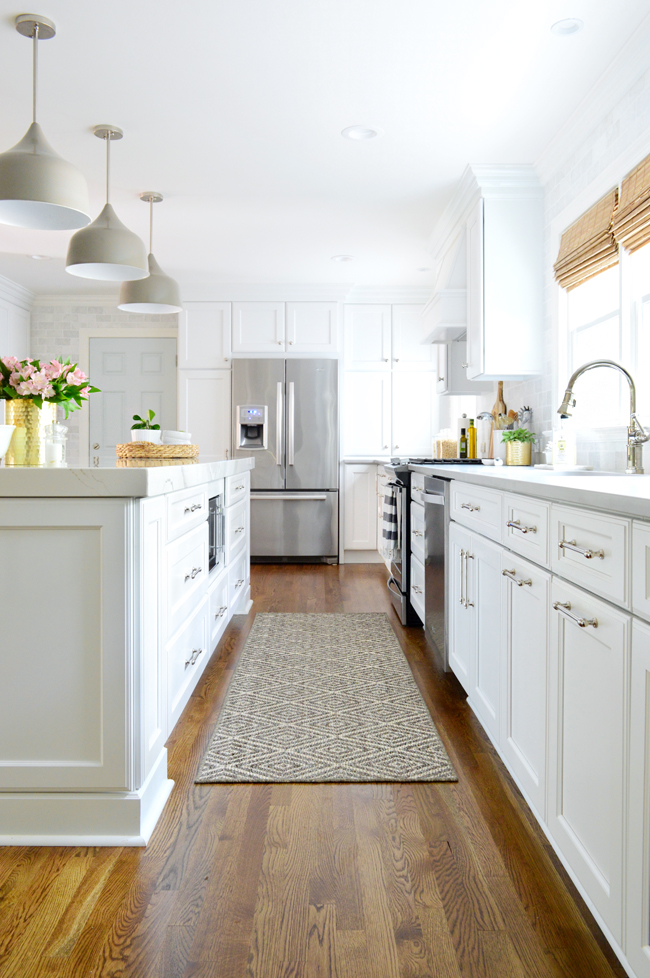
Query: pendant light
x=38 y=188
x=157 y=293
x=106 y=249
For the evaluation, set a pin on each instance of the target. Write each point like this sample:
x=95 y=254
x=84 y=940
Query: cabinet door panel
x=641 y=569
x=523 y=674
x=475 y=292
x=588 y=679
x=204 y=335
x=461 y=615
x=415 y=413
x=410 y=328
x=204 y=410
x=258 y=327
x=366 y=416
x=485 y=593
x=360 y=507
x=367 y=337
x=312 y=327
x=638 y=860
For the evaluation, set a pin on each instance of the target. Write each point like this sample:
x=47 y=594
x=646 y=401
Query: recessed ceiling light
x=423 y=269
x=41 y=257
x=361 y=132
x=342 y=257
x=565 y=27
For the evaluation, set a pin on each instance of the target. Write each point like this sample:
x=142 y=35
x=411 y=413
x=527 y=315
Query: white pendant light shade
x=106 y=250
x=38 y=188
x=158 y=293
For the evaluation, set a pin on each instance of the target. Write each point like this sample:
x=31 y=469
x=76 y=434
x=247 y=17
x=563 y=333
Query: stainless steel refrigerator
x=285 y=417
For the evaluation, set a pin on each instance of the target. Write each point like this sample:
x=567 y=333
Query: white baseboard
x=363 y=557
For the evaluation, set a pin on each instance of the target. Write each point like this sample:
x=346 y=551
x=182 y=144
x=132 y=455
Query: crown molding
x=623 y=71
x=389 y=294
x=16 y=294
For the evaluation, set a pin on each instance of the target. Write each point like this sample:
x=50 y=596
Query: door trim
x=99 y=333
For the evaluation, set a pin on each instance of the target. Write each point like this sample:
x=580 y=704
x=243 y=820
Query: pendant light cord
x=108 y=164
x=34 y=71
x=151 y=225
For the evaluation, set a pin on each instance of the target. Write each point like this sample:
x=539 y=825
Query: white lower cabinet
x=525 y=606
x=588 y=678
x=187 y=655
x=461 y=616
x=417 y=586
x=638 y=840
x=359 y=497
x=218 y=593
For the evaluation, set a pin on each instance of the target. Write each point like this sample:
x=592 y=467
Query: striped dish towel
x=389 y=525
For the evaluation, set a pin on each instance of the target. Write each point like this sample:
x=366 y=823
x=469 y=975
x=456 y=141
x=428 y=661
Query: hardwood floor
x=311 y=881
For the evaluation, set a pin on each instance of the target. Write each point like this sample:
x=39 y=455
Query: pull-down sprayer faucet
x=636 y=433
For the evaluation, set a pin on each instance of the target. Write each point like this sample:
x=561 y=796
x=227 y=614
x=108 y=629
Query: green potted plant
x=518 y=446
x=145 y=429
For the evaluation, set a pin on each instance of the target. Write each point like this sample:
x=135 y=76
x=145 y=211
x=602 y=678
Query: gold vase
x=27 y=445
x=518 y=452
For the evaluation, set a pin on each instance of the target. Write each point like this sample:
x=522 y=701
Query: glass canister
x=56 y=437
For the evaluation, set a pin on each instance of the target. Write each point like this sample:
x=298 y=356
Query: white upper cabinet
x=312 y=327
x=414 y=413
x=204 y=410
x=14 y=330
x=258 y=327
x=366 y=414
x=410 y=331
x=204 y=335
x=367 y=337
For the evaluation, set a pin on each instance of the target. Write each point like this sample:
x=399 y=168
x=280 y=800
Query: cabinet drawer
x=187 y=573
x=417 y=487
x=417 y=531
x=186 y=658
x=641 y=569
x=477 y=508
x=592 y=550
x=417 y=585
x=525 y=527
x=236 y=487
x=237 y=578
x=236 y=529
x=185 y=509
x=218 y=594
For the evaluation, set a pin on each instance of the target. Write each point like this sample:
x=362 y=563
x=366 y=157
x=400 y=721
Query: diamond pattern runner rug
x=324 y=697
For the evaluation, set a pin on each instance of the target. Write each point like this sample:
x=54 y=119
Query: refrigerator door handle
x=291 y=411
x=279 y=400
x=292 y=497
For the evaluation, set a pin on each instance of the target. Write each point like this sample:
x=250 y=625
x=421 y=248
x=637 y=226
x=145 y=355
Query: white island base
x=108 y=616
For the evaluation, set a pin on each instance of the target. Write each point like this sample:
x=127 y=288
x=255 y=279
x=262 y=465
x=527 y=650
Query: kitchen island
x=113 y=596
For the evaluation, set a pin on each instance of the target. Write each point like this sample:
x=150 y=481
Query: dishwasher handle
x=430 y=497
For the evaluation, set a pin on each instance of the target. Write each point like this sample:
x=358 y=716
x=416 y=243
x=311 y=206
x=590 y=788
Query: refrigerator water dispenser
x=253 y=426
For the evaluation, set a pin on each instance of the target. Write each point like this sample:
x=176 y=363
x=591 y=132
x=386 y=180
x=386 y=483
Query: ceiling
x=233 y=110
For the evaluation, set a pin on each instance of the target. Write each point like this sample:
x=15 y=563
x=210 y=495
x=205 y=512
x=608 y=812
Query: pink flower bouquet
x=59 y=382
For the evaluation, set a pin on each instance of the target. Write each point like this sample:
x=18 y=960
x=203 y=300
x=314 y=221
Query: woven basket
x=145 y=449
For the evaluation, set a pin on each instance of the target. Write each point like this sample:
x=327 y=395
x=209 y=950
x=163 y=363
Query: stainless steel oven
x=215 y=532
x=436 y=544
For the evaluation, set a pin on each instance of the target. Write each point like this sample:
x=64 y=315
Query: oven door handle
x=398 y=593
x=429 y=497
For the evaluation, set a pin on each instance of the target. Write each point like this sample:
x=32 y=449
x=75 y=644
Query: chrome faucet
x=636 y=433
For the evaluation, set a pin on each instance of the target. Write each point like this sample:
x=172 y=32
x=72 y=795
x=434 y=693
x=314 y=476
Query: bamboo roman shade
x=631 y=223
x=588 y=247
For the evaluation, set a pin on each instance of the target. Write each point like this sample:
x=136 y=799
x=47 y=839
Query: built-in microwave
x=216 y=532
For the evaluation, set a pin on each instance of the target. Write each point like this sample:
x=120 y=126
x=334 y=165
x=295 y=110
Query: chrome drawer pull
x=564 y=607
x=192 y=509
x=195 y=571
x=516 y=525
x=470 y=507
x=462 y=599
x=418 y=533
x=588 y=554
x=418 y=590
x=239 y=583
x=511 y=575
x=220 y=613
x=195 y=653
x=237 y=488
x=240 y=529
x=468 y=556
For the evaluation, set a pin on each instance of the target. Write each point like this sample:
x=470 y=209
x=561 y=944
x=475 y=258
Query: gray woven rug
x=324 y=697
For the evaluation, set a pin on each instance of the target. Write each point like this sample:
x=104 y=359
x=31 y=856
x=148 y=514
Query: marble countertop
x=613 y=492
x=115 y=479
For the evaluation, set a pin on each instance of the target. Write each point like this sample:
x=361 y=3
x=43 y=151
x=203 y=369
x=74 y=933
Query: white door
x=415 y=413
x=204 y=335
x=367 y=337
x=525 y=601
x=462 y=616
x=638 y=843
x=587 y=771
x=475 y=352
x=134 y=375
x=366 y=414
x=484 y=591
x=410 y=328
x=360 y=502
x=258 y=327
x=312 y=327
x=204 y=411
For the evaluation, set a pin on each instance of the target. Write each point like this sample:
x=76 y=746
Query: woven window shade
x=631 y=222
x=588 y=247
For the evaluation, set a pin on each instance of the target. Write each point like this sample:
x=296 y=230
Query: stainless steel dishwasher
x=436 y=542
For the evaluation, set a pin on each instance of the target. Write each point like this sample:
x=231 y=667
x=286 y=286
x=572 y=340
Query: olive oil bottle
x=462 y=448
x=471 y=439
